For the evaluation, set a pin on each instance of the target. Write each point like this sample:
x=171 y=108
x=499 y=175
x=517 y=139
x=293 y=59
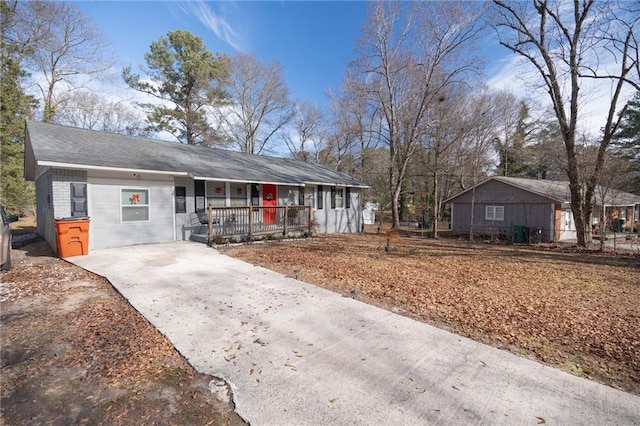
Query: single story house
x=138 y=190
x=504 y=205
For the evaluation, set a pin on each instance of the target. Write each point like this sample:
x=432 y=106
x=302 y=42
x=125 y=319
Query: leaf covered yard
x=574 y=310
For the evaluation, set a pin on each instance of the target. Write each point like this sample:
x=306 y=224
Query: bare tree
x=89 y=110
x=567 y=44
x=606 y=193
x=260 y=108
x=306 y=133
x=65 y=47
x=356 y=125
x=408 y=59
x=446 y=130
x=483 y=118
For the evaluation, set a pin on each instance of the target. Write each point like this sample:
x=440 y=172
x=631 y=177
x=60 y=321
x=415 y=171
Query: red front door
x=269 y=198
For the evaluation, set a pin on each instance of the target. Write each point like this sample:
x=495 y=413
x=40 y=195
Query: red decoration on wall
x=239 y=191
x=218 y=190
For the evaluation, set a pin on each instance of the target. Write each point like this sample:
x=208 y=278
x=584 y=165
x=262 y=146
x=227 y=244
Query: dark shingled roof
x=83 y=148
x=559 y=192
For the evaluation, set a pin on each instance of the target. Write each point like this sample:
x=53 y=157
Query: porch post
x=286 y=219
x=250 y=221
x=309 y=220
x=210 y=223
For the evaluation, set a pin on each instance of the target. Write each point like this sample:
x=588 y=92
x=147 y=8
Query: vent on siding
x=79 y=200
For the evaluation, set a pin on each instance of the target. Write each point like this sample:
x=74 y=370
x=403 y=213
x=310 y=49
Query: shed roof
x=558 y=191
x=71 y=147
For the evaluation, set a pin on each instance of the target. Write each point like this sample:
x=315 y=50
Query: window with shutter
x=181 y=199
x=79 y=200
x=320 y=197
x=199 y=195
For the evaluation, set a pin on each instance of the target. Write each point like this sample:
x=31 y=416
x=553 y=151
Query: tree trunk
x=394 y=190
x=436 y=204
x=49 y=109
x=473 y=206
x=603 y=226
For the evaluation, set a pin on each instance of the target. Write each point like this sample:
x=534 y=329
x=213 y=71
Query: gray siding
x=185 y=221
x=521 y=208
x=107 y=229
x=529 y=215
x=44 y=208
x=494 y=192
x=339 y=220
x=53 y=199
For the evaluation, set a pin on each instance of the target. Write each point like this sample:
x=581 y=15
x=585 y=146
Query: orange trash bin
x=72 y=236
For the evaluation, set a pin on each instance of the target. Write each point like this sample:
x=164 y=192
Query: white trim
x=209 y=179
x=173 y=209
x=148 y=205
x=103 y=168
x=186 y=174
x=342 y=189
x=90 y=211
x=491 y=213
x=336 y=184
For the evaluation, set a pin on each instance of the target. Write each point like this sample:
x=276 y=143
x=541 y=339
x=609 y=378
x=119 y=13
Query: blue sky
x=313 y=41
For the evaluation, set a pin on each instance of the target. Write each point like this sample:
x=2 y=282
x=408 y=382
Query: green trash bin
x=519 y=234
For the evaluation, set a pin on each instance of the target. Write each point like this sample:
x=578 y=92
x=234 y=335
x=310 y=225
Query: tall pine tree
x=626 y=143
x=515 y=160
x=15 y=106
x=183 y=72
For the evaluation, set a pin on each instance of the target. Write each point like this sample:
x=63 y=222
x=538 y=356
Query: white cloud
x=215 y=22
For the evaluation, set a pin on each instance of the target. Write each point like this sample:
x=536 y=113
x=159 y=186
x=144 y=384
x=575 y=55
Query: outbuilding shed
x=525 y=210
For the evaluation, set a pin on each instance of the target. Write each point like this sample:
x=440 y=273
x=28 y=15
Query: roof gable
x=62 y=145
x=554 y=191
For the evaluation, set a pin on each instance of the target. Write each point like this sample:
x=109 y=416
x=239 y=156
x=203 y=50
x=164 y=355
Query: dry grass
x=570 y=309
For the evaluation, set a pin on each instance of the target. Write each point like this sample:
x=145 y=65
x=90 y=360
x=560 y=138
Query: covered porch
x=217 y=225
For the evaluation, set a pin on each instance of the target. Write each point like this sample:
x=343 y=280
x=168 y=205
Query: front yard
x=74 y=351
x=574 y=310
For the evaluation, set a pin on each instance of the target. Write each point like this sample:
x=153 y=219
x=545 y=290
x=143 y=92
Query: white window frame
x=124 y=206
x=310 y=196
x=233 y=200
x=213 y=200
x=341 y=190
x=494 y=213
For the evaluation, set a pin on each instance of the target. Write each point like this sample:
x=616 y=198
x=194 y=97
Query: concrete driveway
x=297 y=354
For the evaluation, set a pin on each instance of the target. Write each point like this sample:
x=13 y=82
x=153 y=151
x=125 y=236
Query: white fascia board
x=343 y=185
x=247 y=181
x=103 y=168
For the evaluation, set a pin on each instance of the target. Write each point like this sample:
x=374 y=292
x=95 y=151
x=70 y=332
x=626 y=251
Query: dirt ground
x=571 y=309
x=75 y=352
